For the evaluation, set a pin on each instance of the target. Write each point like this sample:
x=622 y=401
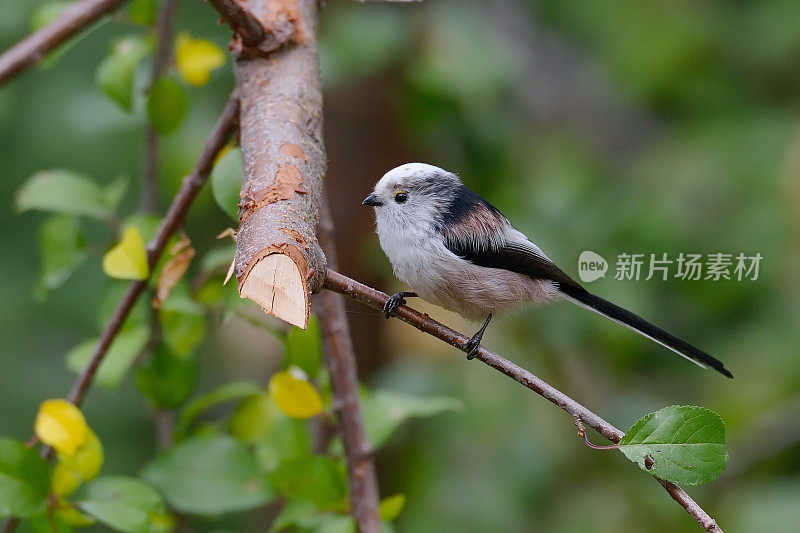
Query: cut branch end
x=278 y=284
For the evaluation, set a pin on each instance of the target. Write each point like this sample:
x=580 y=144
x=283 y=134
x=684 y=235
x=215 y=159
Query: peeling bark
x=284 y=163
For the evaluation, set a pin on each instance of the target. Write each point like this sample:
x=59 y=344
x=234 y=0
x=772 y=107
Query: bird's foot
x=474 y=343
x=395 y=300
x=471 y=347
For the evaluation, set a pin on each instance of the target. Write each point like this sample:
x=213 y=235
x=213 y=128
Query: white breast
x=421 y=260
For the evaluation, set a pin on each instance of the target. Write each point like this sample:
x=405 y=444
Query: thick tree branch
x=342 y=284
x=75 y=18
x=340 y=360
x=278 y=260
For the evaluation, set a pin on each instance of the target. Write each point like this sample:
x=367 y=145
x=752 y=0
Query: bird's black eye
x=400 y=197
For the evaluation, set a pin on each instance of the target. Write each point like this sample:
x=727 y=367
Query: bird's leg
x=396 y=300
x=472 y=345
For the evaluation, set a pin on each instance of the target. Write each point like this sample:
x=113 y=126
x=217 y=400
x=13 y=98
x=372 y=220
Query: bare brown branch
x=337 y=282
x=75 y=18
x=284 y=163
x=259 y=26
x=340 y=360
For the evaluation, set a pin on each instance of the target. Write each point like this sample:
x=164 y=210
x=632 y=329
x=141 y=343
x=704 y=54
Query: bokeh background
x=618 y=127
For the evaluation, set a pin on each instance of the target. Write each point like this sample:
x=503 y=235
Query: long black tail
x=582 y=297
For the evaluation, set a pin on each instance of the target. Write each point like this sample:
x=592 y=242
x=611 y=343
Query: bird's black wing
x=473 y=228
x=514 y=257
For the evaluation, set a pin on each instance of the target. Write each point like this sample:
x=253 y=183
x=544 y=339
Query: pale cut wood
x=277 y=285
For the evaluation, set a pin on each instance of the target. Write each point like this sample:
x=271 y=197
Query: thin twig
x=582 y=434
x=241 y=20
x=256 y=36
x=165 y=427
x=176 y=213
x=337 y=282
x=163 y=57
x=192 y=184
x=163 y=419
x=340 y=359
x=31 y=49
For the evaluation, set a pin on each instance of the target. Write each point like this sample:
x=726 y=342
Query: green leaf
x=46 y=522
x=226 y=182
x=121 y=355
x=115 y=191
x=62 y=249
x=295 y=512
x=68 y=516
x=288 y=438
x=123 y=503
x=385 y=411
x=184 y=324
x=43 y=522
x=166 y=105
x=219 y=259
x=335 y=523
x=306 y=517
x=24 y=480
x=225 y=393
x=209 y=476
x=167 y=380
x=142 y=12
x=68 y=192
x=685 y=443
x=317 y=479
x=116 y=73
x=304 y=348
x=212 y=293
x=253 y=419
x=47 y=13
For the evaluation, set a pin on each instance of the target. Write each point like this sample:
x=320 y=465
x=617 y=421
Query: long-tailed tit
x=456 y=250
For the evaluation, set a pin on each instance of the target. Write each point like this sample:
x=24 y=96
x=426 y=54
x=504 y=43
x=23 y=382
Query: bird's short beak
x=372 y=200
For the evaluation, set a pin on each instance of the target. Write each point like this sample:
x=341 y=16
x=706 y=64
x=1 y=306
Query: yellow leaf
x=61 y=425
x=83 y=465
x=88 y=459
x=295 y=397
x=390 y=507
x=196 y=58
x=160 y=522
x=128 y=259
x=65 y=480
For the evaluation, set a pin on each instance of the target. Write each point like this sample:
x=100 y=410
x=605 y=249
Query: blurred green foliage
x=649 y=127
